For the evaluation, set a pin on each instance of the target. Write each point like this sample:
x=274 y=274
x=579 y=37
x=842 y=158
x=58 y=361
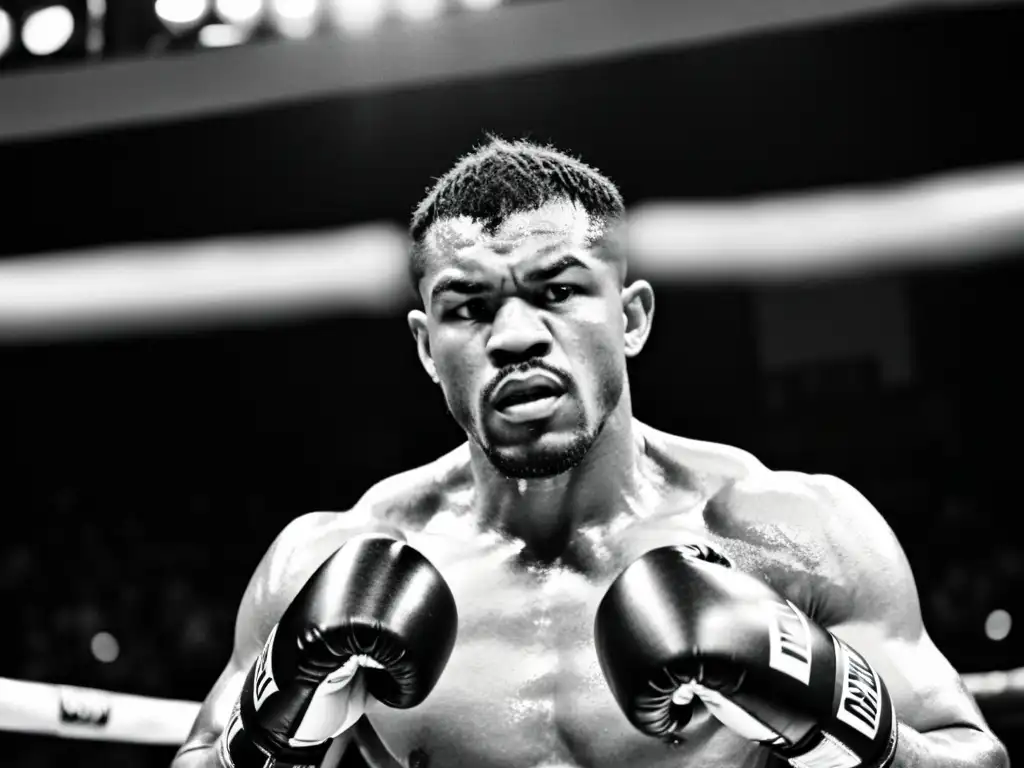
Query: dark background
x=146 y=474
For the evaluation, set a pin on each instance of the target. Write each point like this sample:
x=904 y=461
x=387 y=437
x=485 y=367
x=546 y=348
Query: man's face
x=525 y=331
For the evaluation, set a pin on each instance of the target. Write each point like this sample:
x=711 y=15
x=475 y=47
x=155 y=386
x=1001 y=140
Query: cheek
x=452 y=352
x=600 y=344
x=608 y=363
x=610 y=327
x=458 y=366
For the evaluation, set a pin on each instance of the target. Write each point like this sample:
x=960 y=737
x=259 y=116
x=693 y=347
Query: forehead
x=463 y=241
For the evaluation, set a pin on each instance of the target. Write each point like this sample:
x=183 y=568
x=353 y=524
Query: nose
x=517 y=333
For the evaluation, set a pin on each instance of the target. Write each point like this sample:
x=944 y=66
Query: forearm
x=197 y=756
x=242 y=754
x=955 y=747
x=206 y=756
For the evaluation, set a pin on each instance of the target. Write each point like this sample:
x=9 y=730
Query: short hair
x=501 y=178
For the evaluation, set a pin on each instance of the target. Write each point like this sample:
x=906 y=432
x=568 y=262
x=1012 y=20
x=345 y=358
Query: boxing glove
x=376 y=619
x=674 y=626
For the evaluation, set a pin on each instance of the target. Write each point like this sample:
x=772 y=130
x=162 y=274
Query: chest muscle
x=524 y=688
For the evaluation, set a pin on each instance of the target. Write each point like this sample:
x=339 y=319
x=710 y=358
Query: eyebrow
x=555 y=268
x=457 y=285
x=472 y=287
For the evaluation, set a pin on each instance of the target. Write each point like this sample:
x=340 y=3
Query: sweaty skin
x=523 y=686
x=552 y=496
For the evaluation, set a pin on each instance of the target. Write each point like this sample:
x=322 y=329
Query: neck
x=547 y=513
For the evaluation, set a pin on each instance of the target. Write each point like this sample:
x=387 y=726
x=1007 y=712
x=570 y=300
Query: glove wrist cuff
x=235 y=749
x=894 y=741
x=828 y=750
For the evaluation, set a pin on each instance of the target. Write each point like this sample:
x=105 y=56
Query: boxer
x=624 y=596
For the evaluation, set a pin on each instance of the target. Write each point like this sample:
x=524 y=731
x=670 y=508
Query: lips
x=516 y=390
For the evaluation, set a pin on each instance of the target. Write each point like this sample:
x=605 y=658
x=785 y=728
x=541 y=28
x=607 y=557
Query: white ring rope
x=950 y=219
x=362 y=269
x=957 y=218
x=71 y=712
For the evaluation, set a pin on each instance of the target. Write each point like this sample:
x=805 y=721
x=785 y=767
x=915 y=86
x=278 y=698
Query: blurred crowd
x=167 y=592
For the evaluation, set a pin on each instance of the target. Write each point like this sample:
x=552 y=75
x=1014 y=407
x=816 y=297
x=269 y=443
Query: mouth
x=528 y=398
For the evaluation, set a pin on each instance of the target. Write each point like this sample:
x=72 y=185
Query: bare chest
x=524 y=687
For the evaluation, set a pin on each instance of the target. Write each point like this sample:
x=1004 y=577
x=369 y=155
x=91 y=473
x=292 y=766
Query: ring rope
x=946 y=219
x=73 y=712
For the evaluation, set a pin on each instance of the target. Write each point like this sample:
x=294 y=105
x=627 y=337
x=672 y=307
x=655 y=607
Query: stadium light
x=295 y=19
x=223 y=35
x=104 y=647
x=35 y=33
x=241 y=13
x=420 y=10
x=178 y=15
x=6 y=32
x=357 y=16
x=47 y=30
x=998 y=624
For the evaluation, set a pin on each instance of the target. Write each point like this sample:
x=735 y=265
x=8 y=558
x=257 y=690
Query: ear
x=417 y=320
x=638 y=313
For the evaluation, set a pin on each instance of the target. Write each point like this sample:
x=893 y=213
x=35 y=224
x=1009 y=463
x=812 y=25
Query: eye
x=556 y=294
x=474 y=309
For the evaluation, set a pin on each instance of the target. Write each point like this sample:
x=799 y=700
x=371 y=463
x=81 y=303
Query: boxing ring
x=956 y=219
x=950 y=219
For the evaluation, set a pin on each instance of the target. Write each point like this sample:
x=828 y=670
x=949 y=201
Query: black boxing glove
x=376 y=619
x=674 y=626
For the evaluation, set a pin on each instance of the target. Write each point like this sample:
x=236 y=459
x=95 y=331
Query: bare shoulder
x=820 y=542
x=409 y=501
x=838 y=535
x=741 y=490
x=293 y=556
x=824 y=542
x=394 y=506
x=706 y=465
x=820 y=504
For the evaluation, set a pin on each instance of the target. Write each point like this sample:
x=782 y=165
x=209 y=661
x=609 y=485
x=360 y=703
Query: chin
x=538 y=460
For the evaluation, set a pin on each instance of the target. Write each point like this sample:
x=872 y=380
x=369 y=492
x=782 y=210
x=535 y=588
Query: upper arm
x=880 y=611
x=297 y=551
